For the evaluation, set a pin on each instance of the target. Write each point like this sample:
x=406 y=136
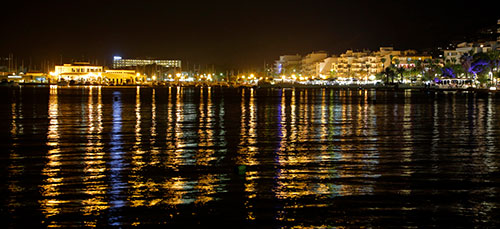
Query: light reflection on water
x=97 y=156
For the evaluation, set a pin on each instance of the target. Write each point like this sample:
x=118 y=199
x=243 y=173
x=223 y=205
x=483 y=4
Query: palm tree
x=466 y=62
x=494 y=58
x=389 y=74
x=383 y=63
x=454 y=60
x=400 y=70
x=367 y=70
x=349 y=69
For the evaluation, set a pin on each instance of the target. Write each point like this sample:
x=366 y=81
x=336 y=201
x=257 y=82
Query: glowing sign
x=117 y=58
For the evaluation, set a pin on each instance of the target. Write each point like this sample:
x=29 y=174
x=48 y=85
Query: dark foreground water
x=91 y=156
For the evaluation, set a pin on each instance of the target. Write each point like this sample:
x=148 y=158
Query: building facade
x=311 y=62
x=469 y=48
x=83 y=72
x=288 y=64
x=119 y=62
x=78 y=71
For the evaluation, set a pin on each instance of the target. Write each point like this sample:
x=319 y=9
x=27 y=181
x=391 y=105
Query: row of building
x=124 y=71
x=351 y=64
x=365 y=64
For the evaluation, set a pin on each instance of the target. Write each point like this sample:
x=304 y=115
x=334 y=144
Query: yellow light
x=294 y=77
x=283 y=77
x=243 y=77
x=252 y=76
x=178 y=75
x=138 y=74
x=154 y=77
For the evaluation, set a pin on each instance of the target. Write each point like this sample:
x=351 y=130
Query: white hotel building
x=119 y=62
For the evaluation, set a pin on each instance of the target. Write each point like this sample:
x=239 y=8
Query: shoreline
x=400 y=87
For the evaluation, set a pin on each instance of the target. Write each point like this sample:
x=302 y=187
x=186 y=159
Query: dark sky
x=239 y=34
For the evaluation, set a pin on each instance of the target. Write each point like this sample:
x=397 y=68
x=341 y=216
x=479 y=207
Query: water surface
x=104 y=156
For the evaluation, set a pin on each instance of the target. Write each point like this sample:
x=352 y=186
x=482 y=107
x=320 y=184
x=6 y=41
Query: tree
x=466 y=62
x=349 y=69
x=367 y=70
x=494 y=58
x=333 y=74
x=400 y=70
x=454 y=60
x=389 y=74
x=431 y=69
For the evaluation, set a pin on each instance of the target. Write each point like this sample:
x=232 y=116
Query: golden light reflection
x=206 y=188
x=154 y=152
x=283 y=134
x=138 y=135
x=170 y=131
x=247 y=150
x=205 y=153
x=407 y=127
x=95 y=164
x=180 y=144
x=15 y=168
x=137 y=156
x=50 y=204
x=248 y=131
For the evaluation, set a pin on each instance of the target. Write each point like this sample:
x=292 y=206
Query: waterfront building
x=360 y=65
x=469 y=48
x=83 y=72
x=385 y=56
x=352 y=64
x=325 y=68
x=120 y=76
x=409 y=59
x=78 y=71
x=119 y=62
x=452 y=56
x=498 y=33
x=310 y=64
x=288 y=64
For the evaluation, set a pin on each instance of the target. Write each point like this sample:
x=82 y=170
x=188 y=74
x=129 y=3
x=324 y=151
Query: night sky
x=239 y=34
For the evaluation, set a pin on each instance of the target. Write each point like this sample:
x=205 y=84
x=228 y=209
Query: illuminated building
x=310 y=61
x=288 y=64
x=498 y=33
x=83 y=72
x=324 y=69
x=366 y=63
x=119 y=62
x=78 y=71
x=453 y=56
x=409 y=59
x=351 y=64
x=123 y=76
